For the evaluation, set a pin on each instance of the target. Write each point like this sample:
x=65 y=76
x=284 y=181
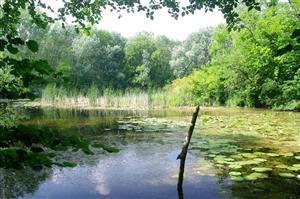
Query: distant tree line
x=256 y=65
x=108 y=60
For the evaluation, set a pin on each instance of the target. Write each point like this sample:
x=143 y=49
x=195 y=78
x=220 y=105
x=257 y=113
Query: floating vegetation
x=286 y=175
x=256 y=176
x=255 y=154
x=23 y=146
x=272 y=154
x=281 y=166
x=235 y=173
x=149 y=125
x=106 y=148
x=261 y=169
x=237 y=178
x=250 y=147
x=293 y=169
x=235 y=166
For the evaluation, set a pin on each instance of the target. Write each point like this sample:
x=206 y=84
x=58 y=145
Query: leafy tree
x=97 y=58
x=82 y=13
x=256 y=66
x=147 y=60
x=194 y=51
x=138 y=50
x=10 y=85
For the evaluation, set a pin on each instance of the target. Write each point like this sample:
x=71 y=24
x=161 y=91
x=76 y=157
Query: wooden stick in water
x=182 y=155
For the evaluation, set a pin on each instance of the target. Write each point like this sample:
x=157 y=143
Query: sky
x=163 y=24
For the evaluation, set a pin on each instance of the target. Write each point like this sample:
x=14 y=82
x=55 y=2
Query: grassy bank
x=108 y=98
x=177 y=94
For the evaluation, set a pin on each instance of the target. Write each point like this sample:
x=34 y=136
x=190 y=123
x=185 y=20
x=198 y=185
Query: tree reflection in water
x=17 y=183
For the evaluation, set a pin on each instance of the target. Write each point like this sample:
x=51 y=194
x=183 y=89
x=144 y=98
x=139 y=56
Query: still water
x=235 y=153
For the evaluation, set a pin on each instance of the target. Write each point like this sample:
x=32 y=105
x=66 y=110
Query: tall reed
x=53 y=95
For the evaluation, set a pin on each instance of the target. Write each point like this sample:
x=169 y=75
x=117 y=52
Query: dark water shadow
x=18 y=183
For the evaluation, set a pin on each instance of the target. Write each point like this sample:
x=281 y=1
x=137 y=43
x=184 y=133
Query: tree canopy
x=31 y=49
x=82 y=13
x=257 y=66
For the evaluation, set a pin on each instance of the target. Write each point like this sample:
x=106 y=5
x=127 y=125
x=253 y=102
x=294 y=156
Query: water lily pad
x=229 y=159
x=255 y=176
x=248 y=155
x=259 y=153
x=221 y=162
x=261 y=169
x=296 y=165
x=281 y=166
x=286 y=175
x=220 y=157
x=272 y=154
x=288 y=154
x=297 y=157
x=259 y=160
x=235 y=173
x=235 y=166
x=294 y=168
x=237 y=178
x=236 y=156
x=249 y=162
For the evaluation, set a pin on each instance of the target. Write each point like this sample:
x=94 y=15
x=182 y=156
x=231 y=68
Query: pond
x=234 y=153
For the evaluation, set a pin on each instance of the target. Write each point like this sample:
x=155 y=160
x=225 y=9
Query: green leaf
x=12 y=49
x=255 y=176
x=32 y=45
x=261 y=169
x=235 y=173
x=86 y=31
x=257 y=8
x=106 y=148
x=296 y=33
x=285 y=49
x=69 y=164
x=286 y=175
x=16 y=41
x=3 y=43
x=250 y=8
x=237 y=178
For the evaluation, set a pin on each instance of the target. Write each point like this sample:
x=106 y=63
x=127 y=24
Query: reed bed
x=109 y=98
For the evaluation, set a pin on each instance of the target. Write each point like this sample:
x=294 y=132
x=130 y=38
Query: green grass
x=110 y=98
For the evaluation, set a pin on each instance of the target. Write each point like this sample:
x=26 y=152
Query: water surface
x=225 y=141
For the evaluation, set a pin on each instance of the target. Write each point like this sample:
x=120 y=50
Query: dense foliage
x=194 y=51
x=40 y=14
x=104 y=60
x=32 y=52
x=257 y=66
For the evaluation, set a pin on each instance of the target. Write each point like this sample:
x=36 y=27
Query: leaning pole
x=183 y=153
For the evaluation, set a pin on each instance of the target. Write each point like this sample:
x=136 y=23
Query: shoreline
x=152 y=108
